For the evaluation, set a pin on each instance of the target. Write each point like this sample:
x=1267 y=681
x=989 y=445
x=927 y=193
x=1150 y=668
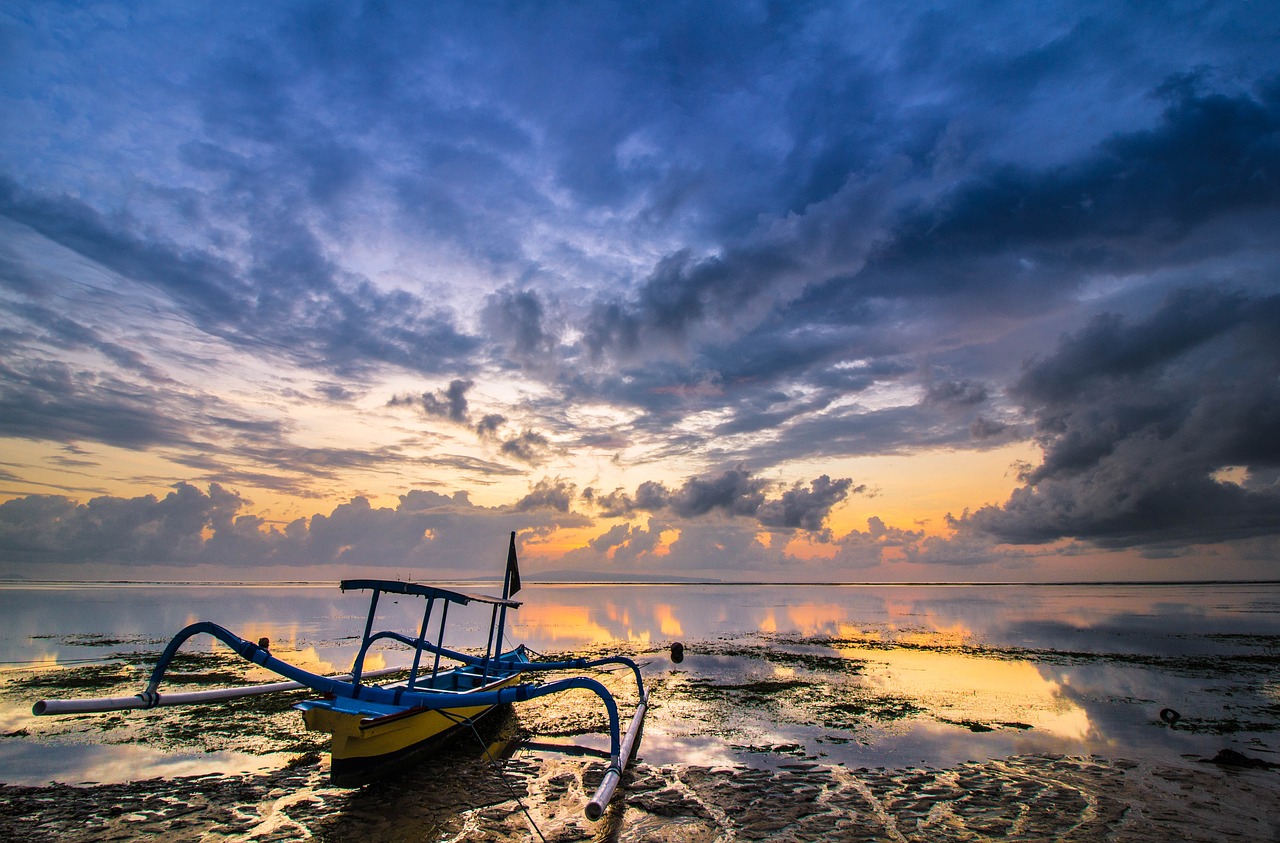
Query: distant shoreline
x=12 y=583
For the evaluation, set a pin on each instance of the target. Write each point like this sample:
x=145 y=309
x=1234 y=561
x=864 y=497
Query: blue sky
x=804 y=291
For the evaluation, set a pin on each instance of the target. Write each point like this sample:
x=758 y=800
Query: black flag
x=513 y=570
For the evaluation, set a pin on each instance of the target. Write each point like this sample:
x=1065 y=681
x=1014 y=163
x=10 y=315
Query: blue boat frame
x=420 y=691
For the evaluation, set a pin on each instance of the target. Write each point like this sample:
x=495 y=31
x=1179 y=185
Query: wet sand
x=1024 y=798
x=764 y=777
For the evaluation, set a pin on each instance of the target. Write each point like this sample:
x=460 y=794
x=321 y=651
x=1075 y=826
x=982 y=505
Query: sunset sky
x=764 y=291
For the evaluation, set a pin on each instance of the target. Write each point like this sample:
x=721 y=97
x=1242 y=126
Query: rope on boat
x=548 y=657
x=502 y=773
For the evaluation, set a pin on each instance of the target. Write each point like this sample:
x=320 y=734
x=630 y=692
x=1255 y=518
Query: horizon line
x=630 y=582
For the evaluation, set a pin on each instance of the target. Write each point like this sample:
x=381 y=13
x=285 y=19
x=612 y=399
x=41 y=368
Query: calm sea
x=989 y=669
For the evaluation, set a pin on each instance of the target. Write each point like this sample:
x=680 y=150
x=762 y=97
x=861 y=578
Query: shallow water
x=869 y=676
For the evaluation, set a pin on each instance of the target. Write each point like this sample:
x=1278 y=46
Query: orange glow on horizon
x=665 y=539
x=916 y=491
x=554 y=544
x=803 y=547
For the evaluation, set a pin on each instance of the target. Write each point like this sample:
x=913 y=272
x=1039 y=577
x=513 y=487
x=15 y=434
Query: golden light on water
x=564 y=623
x=819 y=619
x=956 y=635
x=284 y=640
x=967 y=688
x=769 y=623
x=668 y=623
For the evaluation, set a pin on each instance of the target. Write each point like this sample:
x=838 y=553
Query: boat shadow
x=462 y=791
x=476 y=787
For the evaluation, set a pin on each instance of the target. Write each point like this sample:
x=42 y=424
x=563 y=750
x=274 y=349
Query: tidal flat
x=787 y=718
x=873 y=714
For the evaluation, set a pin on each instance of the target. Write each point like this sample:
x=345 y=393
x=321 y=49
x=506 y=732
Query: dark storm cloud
x=616 y=504
x=44 y=528
x=956 y=392
x=1017 y=233
x=806 y=509
x=517 y=321
x=1014 y=239
x=733 y=492
x=557 y=494
x=857 y=431
x=1142 y=424
x=613 y=537
x=188 y=526
x=49 y=400
x=529 y=446
x=449 y=403
x=489 y=425
x=289 y=299
x=60 y=331
x=443 y=154
x=634 y=546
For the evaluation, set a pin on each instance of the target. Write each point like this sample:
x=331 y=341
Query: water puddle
x=89 y=764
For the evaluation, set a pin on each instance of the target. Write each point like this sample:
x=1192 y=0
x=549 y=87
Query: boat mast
x=510 y=585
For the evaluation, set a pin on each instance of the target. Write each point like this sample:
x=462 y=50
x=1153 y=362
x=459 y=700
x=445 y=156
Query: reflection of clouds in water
x=618 y=615
x=768 y=624
x=668 y=623
x=41 y=660
x=624 y=628
x=955 y=686
x=17 y=717
x=811 y=619
x=27 y=764
x=374 y=660
x=659 y=747
x=939 y=744
x=1026 y=616
x=1124 y=701
x=561 y=624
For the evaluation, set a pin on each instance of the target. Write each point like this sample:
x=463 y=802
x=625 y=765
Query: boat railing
x=421 y=643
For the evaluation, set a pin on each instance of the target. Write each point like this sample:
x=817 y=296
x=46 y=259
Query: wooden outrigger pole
x=101 y=704
x=375 y=727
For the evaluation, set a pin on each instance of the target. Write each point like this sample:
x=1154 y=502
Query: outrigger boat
x=377 y=728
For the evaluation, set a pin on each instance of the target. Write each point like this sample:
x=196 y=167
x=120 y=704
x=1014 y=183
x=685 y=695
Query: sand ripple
x=1023 y=798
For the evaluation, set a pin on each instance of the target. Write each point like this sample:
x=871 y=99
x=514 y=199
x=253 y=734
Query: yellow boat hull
x=365 y=743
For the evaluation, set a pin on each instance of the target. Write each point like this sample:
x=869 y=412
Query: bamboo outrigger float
x=376 y=728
